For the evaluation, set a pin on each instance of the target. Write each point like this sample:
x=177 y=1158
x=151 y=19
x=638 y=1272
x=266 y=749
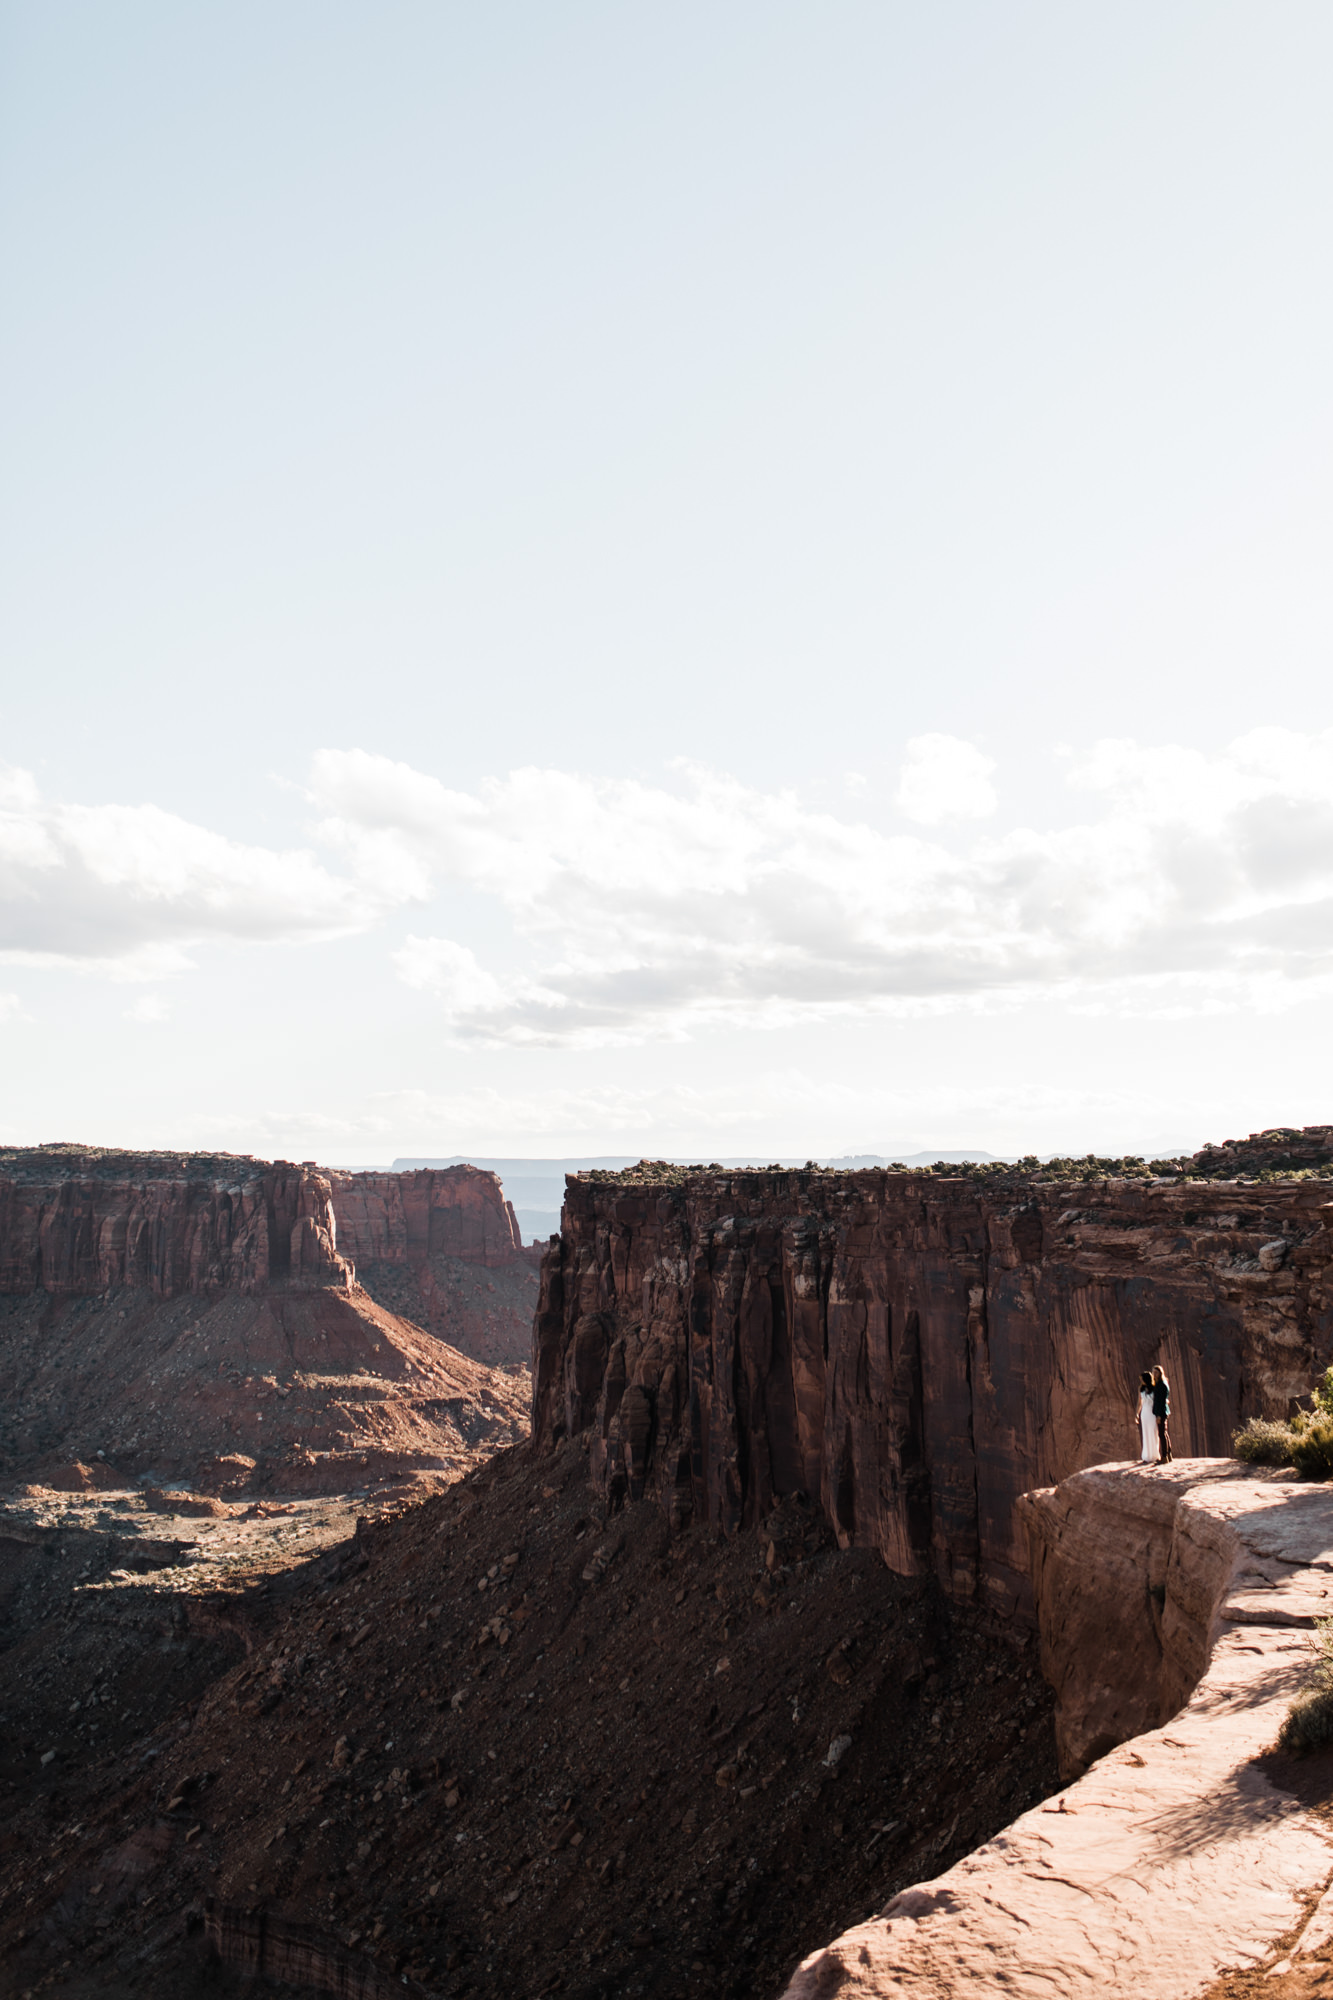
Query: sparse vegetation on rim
x=1304 y=1441
x=1308 y=1723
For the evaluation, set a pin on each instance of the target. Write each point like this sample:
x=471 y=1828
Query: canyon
x=804 y=1631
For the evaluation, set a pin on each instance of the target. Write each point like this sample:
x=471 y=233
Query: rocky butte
x=918 y=1350
x=209 y=1316
x=441 y=1246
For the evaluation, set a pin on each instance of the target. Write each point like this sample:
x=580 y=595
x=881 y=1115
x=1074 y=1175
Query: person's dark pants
x=1164 y=1439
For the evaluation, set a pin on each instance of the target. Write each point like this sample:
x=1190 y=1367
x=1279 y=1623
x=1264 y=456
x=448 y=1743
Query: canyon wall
x=198 y=1316
x=442 y=1247
x=1175 y=1607
x=408 y=1218
x=75 y=1220
x=912 y=1350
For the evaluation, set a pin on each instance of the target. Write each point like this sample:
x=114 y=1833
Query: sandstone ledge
x=1176 y=1857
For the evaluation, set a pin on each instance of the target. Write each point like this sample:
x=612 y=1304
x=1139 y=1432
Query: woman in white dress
x=1152 y=1450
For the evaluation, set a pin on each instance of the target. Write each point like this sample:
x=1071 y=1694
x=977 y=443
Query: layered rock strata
x=443 y=1248
x=913 y=1350
x=197 y=1316
x=75 y=1220
x=1182 y=1853
x=408 y=1218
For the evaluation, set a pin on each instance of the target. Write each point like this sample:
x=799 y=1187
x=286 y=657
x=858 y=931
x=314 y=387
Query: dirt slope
x=291 y=1391
x=502 y=1745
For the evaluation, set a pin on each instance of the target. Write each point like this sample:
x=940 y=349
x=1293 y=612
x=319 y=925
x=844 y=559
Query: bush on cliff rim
x=1308 y=1723
x=1306 y=1441
x=1312 y=1447
x=1264 y=1442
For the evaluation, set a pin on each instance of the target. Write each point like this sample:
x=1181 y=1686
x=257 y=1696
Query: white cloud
x=1194 y=883
x=1181 y=884
x=945 y=778
x=149 y=1008
x=11 y=1009
x=126 y=890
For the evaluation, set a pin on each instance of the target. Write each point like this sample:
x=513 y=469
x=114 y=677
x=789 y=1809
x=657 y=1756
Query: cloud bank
x=1185 y=883
x=1178 y=882
x=126 y=890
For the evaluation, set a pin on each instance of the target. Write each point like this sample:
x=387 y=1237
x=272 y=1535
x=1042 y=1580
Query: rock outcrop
x=408 y=1218
x=197 y=1316
x=89 y=1220
x=1282 y=1149
x=442 y=1247
x=915 y=1350
x=1185 y=1852
x=1136 y=1573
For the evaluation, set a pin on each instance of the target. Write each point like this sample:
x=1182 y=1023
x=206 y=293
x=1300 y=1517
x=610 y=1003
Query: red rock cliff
x=915 y=1351
x=88 y=1221
x=442 y=1247
x=189 y=1312
x=407 y=1218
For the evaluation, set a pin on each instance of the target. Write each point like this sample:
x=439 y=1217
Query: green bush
x=1306 y=1441
x=1263 y=1442
x=1312 y=1448
x=1308 y=1723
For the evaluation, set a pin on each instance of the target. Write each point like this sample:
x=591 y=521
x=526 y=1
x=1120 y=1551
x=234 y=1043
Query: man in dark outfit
x=1161 y=1409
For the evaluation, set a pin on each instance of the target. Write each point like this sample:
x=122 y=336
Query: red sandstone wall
x=174 y=1311
x=915 y=1351
x=440 y=1248
x=72 y=1222
x=87 y=1222
x=407 y=1218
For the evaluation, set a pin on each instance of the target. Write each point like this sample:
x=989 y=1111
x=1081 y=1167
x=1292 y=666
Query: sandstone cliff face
x=915 y=1351
x=442 y=1247
x=409 y=1218
x=197 y=1316
x=73 y=1221
x=1139 y=1573
x=1185 y=1852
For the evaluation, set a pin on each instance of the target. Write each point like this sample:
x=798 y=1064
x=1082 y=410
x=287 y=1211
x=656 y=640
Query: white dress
x=1152 y=1449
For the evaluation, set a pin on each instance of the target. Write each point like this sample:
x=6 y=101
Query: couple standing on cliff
x=1154 y=1409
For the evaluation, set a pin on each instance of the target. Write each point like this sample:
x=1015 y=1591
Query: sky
x=674 y=579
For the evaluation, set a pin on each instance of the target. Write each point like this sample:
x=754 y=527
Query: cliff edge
x=915 y=1351
x=1183 y=1852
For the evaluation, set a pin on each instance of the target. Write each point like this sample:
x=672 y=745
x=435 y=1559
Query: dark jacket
x=1161 y=1399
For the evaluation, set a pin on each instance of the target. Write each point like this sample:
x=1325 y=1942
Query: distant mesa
x=217 y=1319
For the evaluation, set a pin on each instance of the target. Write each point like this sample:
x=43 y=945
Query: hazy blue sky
x=628 y=577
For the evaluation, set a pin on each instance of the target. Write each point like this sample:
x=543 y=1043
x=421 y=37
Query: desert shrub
x=1308 y=1723
x=1263 y=1442
x=1312 y=1448
x=1305 y=1440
